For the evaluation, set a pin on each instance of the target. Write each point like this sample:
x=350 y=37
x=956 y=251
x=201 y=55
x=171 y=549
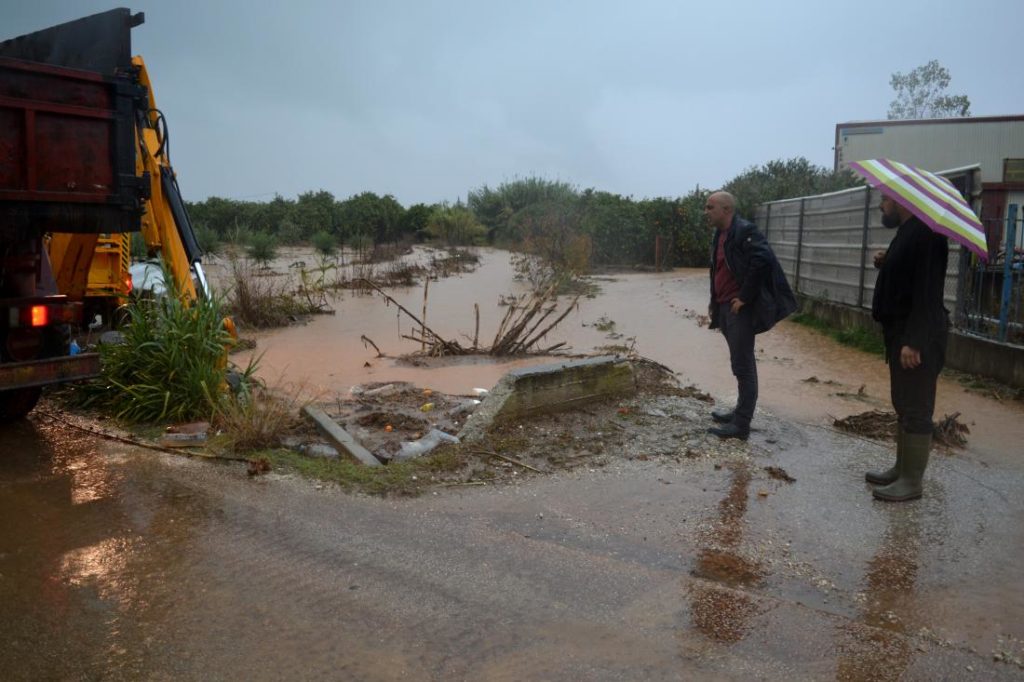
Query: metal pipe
x=1011 y=242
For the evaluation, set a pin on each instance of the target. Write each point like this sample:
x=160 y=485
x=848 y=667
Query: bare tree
x=921 y=93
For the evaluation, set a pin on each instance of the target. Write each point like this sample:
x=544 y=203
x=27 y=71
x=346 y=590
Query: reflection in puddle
x=77 y=582
x=727 y=568
x=723 y=613
x=877 y=647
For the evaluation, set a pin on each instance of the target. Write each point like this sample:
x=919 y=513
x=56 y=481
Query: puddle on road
x=75 y=573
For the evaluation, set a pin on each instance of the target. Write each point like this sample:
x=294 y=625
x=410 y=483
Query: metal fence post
x=864 y=247
x=767 y=221
x=1011 y=241
x=799 y=247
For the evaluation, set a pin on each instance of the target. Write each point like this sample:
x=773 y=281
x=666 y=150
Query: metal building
x=995 y=143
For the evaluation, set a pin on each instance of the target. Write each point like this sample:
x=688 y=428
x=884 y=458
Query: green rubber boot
x=916 y=448
x=890 y=475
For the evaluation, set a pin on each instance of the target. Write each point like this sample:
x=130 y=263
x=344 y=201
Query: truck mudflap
x=49 y=371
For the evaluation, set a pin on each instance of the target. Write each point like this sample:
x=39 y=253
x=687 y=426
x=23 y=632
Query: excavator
x=84 y=164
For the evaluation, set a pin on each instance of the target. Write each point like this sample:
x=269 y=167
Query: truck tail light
x=35 y=315
x=39 y=315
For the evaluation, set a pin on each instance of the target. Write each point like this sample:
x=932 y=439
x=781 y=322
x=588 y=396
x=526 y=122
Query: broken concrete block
x=340 y=438
x=550 y=388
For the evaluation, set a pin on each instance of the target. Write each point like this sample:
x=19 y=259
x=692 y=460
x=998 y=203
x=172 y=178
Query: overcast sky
x=428 y=100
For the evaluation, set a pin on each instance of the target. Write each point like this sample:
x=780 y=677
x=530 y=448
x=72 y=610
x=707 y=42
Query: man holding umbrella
x=908 y=304
x=925 y=209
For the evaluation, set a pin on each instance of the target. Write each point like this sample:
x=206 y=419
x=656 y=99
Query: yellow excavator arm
x=165 y=225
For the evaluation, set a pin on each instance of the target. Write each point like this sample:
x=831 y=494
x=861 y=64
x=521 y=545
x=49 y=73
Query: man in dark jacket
x=908 y=304
x=749 y=294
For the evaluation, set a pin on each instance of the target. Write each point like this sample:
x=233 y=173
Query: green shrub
x=262 y=247
x=209 y=240
x=171 y=365
x=289 y=233
x=325 y=243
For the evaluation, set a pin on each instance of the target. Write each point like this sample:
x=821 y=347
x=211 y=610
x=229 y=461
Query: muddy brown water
x=121 y=563
x=655 y=313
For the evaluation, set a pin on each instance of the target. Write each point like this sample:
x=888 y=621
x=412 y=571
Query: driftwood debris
x=519 y=333
x=949 y=430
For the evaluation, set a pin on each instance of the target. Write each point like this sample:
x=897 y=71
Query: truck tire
x=18 y=402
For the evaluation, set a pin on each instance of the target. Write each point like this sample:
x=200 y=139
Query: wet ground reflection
x=876 y=646
x=76 y=575
x=723 y=612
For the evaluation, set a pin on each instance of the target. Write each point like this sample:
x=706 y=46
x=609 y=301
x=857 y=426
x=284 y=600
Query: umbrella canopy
x=930 y=197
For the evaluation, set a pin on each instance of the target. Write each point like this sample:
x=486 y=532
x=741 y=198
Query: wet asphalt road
x=121 y=563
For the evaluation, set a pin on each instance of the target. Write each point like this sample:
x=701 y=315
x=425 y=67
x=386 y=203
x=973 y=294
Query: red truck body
x=69 y=102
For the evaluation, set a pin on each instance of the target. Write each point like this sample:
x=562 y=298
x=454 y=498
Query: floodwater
x=123 y=563
x=656 y=313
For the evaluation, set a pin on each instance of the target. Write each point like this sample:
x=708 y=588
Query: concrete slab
x=341 y=438
x=550 y=388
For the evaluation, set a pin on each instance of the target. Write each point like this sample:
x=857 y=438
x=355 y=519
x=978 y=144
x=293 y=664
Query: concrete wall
x=1000 y=361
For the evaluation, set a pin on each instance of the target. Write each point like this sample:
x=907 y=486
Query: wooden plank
x=341 y=438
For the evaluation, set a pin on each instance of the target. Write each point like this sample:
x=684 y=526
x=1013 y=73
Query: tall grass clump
x=171 y=364
x=262 y=302
x=257 y=417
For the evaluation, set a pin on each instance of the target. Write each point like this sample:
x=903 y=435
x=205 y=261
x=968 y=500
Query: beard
x=891 y=220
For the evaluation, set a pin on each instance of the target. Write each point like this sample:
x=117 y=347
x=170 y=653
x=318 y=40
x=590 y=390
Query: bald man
x=749 y=294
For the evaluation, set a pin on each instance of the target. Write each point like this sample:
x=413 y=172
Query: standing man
x=749 y=294
x=908 y=304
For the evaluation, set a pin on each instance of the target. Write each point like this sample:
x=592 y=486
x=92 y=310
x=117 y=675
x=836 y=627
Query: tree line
x=569 y=227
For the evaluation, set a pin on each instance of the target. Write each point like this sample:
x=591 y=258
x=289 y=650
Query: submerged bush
x=262 y=247
x=262 y=302
x=171 y=364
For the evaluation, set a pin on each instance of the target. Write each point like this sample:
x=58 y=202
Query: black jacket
x=763 y=285
x=909 y=292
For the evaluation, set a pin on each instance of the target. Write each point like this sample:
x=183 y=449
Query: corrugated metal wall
x=826 y=245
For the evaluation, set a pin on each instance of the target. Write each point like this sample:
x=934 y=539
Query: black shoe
x=730 y=431
x=722 y=417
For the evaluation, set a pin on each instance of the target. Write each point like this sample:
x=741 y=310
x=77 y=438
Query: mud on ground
x=662 y=420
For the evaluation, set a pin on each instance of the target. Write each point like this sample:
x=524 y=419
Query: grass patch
x=410 y=478
x=861 y=338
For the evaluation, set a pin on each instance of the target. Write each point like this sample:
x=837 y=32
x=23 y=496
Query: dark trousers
x=913 y=395
x=738 y=330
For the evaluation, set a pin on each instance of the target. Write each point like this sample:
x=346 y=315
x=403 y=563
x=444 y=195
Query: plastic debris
x=426 y=407
x=321 y=450
x=386 y=389
x=465 y=407
x=418 y=448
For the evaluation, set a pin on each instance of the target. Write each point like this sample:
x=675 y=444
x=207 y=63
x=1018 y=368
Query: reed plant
x=171 y=365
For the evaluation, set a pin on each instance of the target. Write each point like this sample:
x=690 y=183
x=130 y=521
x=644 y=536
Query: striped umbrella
x=930 y=197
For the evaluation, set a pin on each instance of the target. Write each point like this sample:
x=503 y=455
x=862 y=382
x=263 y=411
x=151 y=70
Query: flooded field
x=803 y=375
